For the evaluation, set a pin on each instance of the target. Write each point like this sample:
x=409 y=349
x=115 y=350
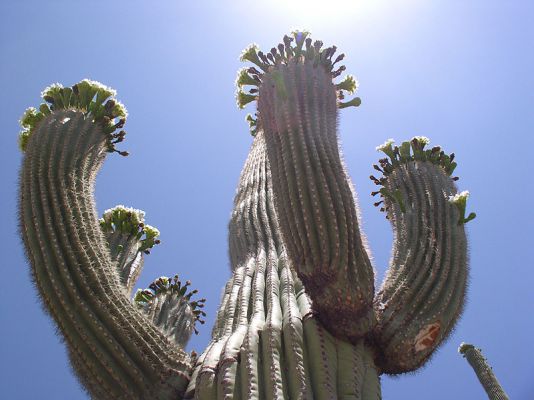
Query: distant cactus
x=484 y=372
x=299 y=317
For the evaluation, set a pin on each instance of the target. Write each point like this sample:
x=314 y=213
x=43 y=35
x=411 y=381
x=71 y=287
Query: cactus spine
x=299 y=317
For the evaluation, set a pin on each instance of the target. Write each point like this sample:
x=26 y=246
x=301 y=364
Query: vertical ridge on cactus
x=299 y=318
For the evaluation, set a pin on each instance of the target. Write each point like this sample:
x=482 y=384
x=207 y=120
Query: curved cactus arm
x=129 y=239
x=484 y=372
x=297 y=104
x=423 y=293
x=168 y=304
x=115 y=346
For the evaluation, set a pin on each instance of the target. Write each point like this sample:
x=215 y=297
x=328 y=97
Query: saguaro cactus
x=299 y=317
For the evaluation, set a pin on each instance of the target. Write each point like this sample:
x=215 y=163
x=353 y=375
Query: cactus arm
x=71 y=264
x=167 y=303
x=297 y=112
x=424 y=290
x=484 y=372
x=129 y=239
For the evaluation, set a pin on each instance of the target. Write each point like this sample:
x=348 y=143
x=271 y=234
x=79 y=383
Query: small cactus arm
x=299 y=317
x=484 y=371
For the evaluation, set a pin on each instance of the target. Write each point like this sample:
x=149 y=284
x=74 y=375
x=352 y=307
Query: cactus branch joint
x=300 y=316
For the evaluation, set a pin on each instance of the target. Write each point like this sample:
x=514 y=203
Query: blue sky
x=459 y=72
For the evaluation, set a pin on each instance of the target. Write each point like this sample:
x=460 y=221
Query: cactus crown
x=86 y=96
x=130 y=221
x=165 y=285
x=295 y=49
x=414 y=150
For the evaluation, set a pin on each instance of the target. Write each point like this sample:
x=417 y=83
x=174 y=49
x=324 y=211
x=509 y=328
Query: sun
x=325 y=12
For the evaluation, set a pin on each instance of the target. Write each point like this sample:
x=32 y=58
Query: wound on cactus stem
x=426 y=338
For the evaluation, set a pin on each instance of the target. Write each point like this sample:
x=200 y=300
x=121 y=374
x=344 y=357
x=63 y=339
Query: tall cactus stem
x=297 y=111
x=285 y=351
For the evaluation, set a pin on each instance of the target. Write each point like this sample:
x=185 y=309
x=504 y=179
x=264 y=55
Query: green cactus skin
x=299 y=317
x=484 y=372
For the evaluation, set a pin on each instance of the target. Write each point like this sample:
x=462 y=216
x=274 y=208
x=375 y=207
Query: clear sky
x=459 y=72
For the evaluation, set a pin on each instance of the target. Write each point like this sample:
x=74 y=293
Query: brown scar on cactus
x=427 y=336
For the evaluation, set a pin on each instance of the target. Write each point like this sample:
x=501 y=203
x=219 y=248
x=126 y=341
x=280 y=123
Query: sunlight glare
x=326 y=12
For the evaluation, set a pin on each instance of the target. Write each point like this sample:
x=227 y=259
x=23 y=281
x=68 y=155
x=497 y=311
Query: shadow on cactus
x=299 y=317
